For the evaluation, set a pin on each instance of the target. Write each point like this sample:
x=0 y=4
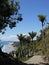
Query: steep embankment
x=44 y=43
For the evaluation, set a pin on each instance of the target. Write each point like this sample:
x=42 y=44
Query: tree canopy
x=32 y=34
x=9 y=14
x=42 y=18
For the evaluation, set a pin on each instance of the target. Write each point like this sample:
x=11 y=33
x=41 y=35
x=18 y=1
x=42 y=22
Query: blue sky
x=29 y=9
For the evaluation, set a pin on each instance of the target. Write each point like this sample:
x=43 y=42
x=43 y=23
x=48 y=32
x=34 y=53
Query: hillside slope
x=44 y=44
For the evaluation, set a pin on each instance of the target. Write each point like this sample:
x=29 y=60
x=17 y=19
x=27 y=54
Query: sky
x=30 y=10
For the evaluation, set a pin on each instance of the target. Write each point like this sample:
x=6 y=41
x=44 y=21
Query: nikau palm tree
x=21 y=38
x=42 y=18
x=28 y=40
x=32 y=35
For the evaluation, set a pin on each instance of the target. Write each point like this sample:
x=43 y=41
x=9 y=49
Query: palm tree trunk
x=43 y=40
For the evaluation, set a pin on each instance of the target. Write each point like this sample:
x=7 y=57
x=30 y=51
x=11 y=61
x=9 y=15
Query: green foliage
x=42 y=18
x=30 y=48
x=32 y=34
x=9 y=14
x=21 y=38
x=38 y=38
x=45 y=50
x=24 y=59
x=28 y=39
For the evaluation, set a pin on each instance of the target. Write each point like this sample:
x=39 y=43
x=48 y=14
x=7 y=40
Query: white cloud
x=10 y=38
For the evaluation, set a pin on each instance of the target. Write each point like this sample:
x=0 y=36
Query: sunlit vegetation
x=28 y=47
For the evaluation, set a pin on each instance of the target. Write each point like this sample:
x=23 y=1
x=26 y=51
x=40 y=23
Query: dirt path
x=35 y=60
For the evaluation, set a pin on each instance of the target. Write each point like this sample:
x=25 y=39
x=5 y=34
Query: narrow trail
x=35 y=60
